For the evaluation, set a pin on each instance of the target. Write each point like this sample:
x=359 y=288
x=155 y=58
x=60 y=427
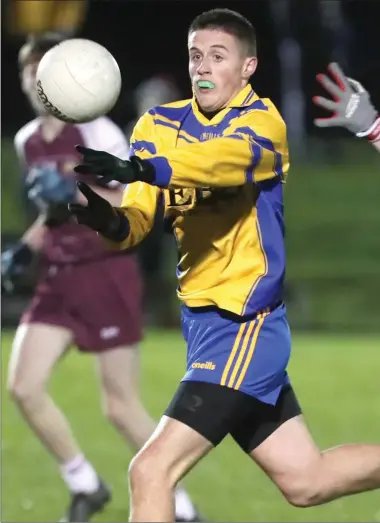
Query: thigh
x=250 y=355
x=288 y=454
x=105 y=302
x=36 y=349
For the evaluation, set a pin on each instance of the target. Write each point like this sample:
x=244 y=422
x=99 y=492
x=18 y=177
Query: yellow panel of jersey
x=222 y=184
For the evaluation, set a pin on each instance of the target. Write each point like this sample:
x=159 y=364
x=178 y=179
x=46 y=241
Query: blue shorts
x=251 y=356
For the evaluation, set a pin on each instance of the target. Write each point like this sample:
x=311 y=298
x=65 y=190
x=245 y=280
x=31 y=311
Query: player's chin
x=207 y=102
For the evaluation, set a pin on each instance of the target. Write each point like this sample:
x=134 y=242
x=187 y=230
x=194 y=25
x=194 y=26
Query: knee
x=23 y=393
x=138 y=471
x=303 y=497
x=146 y=469
x=303 y=491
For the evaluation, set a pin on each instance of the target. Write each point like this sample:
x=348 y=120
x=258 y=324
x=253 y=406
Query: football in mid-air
x=78 y=80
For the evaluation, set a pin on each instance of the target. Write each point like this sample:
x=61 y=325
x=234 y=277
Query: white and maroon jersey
x=70 y=242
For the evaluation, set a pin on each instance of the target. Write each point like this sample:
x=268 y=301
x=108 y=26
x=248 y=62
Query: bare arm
x=34 y=236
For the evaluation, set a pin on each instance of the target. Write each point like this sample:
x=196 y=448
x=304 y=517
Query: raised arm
x=351 y=106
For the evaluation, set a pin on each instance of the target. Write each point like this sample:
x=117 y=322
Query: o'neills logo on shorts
x=52 y=109
x=209 y=365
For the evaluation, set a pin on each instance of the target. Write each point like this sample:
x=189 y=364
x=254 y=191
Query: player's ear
x=249 y=67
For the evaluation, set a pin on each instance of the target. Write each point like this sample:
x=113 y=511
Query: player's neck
x=51 y=128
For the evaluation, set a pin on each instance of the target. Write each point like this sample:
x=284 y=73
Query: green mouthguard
x=206 y=83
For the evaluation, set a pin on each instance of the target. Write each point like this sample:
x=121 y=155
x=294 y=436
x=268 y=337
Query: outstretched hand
x=110 y=167
x=98 y=214
x=350 y=105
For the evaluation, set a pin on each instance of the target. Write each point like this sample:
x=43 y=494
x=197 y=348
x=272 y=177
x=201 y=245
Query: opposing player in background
x=351 y=106
x=220 y=161
x=80 y=299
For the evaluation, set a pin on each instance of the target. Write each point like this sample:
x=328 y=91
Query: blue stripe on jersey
x=181 y=137
x=269 y=289
x=256 y=156
x=140 y=145
x=257 y=104
x=171 y=125
x=266 y=144
x=175 y=114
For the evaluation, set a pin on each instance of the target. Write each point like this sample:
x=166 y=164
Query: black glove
x=110 y=167
x=99 y=215
x=14 y=262
x=56 y=215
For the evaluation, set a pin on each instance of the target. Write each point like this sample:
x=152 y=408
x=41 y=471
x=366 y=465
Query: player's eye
x=218 y=58
x=196 y=57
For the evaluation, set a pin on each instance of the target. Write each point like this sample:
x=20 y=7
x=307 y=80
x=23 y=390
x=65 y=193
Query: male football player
x=80 y=299
x=220 y=161
x=351 y=106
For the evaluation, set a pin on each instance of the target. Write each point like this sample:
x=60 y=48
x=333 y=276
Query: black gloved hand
x=99 y=215
x=109 y=167
x=14 y=262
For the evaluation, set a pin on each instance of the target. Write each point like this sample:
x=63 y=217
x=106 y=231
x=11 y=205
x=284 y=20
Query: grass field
x=337 y=379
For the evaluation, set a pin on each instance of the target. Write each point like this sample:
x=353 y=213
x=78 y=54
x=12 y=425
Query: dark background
x=149 y=37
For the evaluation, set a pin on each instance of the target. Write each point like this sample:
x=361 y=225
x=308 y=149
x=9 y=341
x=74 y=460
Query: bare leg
x=119 y=371
x=170 y=453
x=309 y=477
x=36 y=349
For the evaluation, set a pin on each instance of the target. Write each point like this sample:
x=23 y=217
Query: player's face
x=219 y=68
x=28 y=85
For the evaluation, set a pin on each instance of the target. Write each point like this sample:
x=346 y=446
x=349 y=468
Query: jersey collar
x=246 y=97
x=243 y=99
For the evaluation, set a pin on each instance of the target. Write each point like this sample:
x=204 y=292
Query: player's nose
x=204 y=68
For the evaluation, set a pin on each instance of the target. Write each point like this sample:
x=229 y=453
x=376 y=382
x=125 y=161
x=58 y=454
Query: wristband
x=373 y=133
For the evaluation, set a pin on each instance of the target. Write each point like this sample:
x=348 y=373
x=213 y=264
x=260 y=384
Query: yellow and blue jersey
x=221 y=180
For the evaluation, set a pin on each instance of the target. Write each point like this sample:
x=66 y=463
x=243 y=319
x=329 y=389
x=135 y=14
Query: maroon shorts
x=100 y=302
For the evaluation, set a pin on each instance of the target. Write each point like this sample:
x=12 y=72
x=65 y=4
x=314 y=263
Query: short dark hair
x=38 y=45
x=230 y=22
